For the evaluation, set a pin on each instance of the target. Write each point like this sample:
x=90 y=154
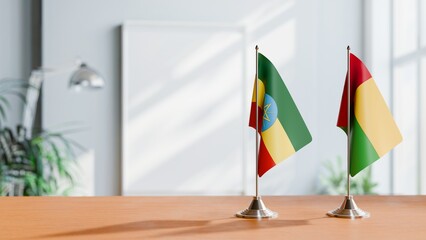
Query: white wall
x=395 y=56
x=15 y=47
x=306 y=40
x=377 y=57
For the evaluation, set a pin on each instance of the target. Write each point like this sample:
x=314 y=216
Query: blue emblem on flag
x=270 y=112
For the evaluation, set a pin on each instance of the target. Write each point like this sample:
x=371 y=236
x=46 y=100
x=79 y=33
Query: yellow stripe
x=375 y=118
x=277 y=142
x=260 y=93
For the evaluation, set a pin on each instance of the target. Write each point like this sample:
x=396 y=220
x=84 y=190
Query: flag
x=280 y=125
x=373 y=131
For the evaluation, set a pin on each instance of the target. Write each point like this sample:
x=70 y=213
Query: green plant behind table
x=41 y=165
x=334 y=180
x=37 y=165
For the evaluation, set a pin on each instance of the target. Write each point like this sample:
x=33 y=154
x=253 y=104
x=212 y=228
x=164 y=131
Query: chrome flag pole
x=348 y=209
x=257 y=208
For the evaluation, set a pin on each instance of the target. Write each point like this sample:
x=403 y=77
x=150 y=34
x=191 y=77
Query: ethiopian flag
x=280 y=124
x=373 y=131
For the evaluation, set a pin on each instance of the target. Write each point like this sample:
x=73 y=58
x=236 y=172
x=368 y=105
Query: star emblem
x=266 y=112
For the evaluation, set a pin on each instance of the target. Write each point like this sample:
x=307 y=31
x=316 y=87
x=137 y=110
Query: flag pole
x=348 y=209
x=348 y=51
x=257 y=122
x=257 y=208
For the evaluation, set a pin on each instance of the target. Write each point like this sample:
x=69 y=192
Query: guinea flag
x=280 y=125
x=373 y=131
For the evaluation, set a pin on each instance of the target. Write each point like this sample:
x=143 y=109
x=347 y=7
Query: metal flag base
x=349 y=209
x=257 y=209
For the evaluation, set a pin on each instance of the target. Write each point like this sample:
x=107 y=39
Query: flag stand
x=257 y=208
x=348 y=209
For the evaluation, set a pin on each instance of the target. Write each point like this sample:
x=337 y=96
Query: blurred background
x=172 y=115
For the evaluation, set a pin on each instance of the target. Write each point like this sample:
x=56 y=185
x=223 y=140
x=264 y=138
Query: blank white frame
x=140 y=26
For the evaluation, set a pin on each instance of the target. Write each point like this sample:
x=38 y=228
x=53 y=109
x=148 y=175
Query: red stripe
x=252 y=120
x=359 y=74
x=265 y=160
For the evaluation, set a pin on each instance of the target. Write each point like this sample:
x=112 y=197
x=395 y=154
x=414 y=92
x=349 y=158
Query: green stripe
x=288 y=114
x=362 y=151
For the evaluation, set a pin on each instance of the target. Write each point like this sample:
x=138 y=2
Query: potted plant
x=40 y=164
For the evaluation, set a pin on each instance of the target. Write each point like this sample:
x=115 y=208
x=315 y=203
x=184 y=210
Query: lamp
x=81 y=77
x=86 y=77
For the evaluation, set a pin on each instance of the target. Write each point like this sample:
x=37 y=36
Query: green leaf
x=5 y=101
x=3 y=114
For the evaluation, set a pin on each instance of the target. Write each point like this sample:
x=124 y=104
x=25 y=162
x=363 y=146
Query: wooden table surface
x=392 y=217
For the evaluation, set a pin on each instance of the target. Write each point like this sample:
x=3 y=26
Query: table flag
x=280 y=125
x=373 y=131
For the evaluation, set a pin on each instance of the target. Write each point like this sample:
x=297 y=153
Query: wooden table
x=392 y=217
